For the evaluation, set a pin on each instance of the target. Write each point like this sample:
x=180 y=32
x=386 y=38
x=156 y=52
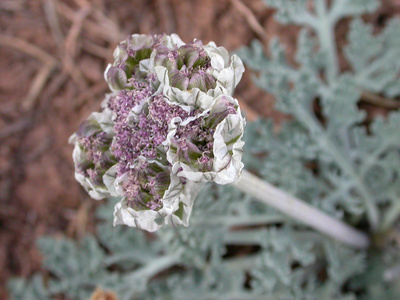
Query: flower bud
x=132 y=58
x=194 y=71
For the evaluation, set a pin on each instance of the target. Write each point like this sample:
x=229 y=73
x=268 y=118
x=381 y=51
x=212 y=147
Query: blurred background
x=52 y=57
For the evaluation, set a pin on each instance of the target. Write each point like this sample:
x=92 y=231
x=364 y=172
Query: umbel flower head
x=169 y=125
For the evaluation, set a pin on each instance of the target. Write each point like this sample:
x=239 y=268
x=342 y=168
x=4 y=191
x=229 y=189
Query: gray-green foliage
x=237 y=248
x=357 y=164
x=282 y=261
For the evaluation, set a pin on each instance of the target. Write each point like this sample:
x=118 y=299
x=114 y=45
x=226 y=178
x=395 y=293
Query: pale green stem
x=375 y=66
x=326 y=35
x=141 y=276
x=155 y=267
x=314 y=126
x=301 y=211
x=391 y=216
x=132 y=256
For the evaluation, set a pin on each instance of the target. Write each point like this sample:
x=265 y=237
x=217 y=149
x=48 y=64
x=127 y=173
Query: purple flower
x=169 y=126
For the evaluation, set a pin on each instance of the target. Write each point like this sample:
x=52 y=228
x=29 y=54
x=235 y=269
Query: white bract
x=177 y=204
x=91 y=163
x=224 y=70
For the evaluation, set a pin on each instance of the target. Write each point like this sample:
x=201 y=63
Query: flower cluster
x=169 y=125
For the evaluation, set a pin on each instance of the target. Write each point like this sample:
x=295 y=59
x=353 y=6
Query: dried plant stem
x=299 y=210
x=27 y=48
x=251 y=19
x=92 y=28
x=377 y=100
x=41 y=78
x=54 y=23
x=37 y=86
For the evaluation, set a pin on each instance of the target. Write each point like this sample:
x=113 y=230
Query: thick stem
x=301 y=211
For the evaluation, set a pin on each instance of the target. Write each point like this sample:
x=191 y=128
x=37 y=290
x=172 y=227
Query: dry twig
x=71 y=48
x=111 y=26
x=251 y=19
x=377 y=100
x=15 y=127
x=42 y=76
x=54 y=24
x=97 y=50
x=53 y=87
x=27 y=48
x=27 y=121
x=36 y=87
x=12 y=5
x=91 y=27
x=75 y=30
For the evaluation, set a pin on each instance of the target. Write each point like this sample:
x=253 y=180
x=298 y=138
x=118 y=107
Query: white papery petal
x=227 y=72
x=227 y=148
x=140 y=41
x=95 y=191
x=176 y=209
x=187 y=202
x=187 y=100
x=219 y=56
x=109 y=179
x=230 y=76
x=118 y=54
x=172 y=41
x=104 y=118
x=146 y=219
x=228 y=156
x=145 y=65
x=106 y=72
x=238 y=68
